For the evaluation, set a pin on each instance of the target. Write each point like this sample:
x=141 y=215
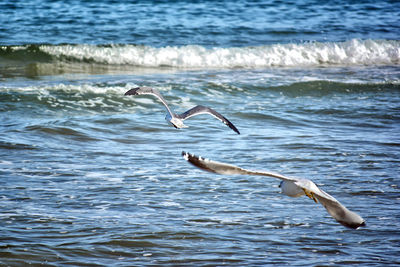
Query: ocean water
x=90 y=177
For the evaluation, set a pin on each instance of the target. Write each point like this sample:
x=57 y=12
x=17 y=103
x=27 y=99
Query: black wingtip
x=353 y=225
x=196 y=161
x=230 y=125
x=189 y=157
x=132 y=91
x=356 y=226
x=233 y=127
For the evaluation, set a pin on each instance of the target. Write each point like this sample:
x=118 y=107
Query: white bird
x=290 y=186
x=177 y=119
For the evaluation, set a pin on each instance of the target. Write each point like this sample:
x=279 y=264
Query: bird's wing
x=228 y=169
x=338 y=211
x=149 y=91
x=197 y=110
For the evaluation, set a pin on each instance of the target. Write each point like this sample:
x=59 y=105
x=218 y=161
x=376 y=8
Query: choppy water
x=92 y=177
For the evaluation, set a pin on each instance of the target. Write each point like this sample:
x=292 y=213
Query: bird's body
x=176 y=120
x=292 y=187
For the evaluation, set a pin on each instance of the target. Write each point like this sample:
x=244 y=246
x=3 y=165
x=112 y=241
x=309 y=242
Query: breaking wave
x=352 y=52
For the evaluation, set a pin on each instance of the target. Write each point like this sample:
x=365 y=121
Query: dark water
x=95 y=178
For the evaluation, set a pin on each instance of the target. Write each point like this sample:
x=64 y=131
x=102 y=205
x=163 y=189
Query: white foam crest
x=45 y=90
x=92 y=97
x=352 y=52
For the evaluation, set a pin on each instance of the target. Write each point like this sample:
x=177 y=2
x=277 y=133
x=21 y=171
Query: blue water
x=89 y=176
x=208 y=23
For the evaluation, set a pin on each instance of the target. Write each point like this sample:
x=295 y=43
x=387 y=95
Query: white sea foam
x=44 y=91
x=352 y=52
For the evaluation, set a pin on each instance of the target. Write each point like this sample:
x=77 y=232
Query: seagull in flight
x=177 y=119
x=291 y=187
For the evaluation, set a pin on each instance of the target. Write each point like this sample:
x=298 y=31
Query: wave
x=349 y=53
x=109 y=97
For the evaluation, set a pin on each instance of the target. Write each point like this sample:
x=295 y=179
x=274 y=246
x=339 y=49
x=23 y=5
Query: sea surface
x=90 y=177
